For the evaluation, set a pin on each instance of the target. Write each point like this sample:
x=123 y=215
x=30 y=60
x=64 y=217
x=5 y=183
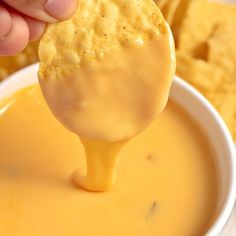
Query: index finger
x=45 y=10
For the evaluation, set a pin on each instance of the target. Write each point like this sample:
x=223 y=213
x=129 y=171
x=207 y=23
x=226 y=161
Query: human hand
x=22 y=21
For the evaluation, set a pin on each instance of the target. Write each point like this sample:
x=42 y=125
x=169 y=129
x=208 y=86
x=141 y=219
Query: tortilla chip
x=199 y=21
x=168 y=8
x=161 y=3
x=222 y=48
x=212 y=82
x=199 y=73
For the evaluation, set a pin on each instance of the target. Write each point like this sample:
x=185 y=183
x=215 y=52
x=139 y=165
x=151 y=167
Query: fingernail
x=6 y=21
x=60 y=9
x=5 y=36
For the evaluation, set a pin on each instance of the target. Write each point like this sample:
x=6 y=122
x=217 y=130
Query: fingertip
x=36 y=28
x=61 y=10
x=45 y=10
x=17 y=38
x=32 y=9
x=6 y=22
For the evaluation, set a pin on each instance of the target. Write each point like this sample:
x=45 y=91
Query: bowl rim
x=227 y=208
x=229 y=201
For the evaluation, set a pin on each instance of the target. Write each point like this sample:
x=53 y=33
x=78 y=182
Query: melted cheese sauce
x=112 y=100
x=116 y=97
x=166 y=181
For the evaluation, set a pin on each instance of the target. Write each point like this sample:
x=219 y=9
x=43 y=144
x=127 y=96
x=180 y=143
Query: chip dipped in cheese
x=106 y=72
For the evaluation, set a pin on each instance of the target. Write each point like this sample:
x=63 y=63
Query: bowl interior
x=198 y=108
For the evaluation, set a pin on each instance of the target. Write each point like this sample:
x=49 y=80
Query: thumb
x=44 y=10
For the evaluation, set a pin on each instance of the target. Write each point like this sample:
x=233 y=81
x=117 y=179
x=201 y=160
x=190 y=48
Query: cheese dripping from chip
x=106 y=74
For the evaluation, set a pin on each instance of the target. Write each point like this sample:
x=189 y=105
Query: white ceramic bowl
x=202 y=111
